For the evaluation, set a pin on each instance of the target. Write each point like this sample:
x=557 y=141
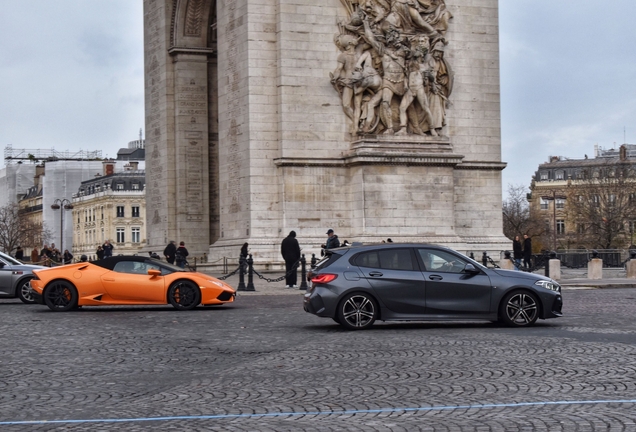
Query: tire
x=357 y=311
x=519 y=309
x=184 y=295
x=23 y=291
x=60 y=296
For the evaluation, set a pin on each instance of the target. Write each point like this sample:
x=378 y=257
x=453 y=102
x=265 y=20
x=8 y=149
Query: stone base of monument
x=555 y=269
x=506 y=264
x=595 y=269
x=630 y=266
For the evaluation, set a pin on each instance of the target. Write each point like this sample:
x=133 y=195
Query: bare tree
x=517 y=219
x=17 y=230
x=602 y=206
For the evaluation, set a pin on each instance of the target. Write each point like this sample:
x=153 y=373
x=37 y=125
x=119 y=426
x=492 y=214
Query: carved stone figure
x=387 y=65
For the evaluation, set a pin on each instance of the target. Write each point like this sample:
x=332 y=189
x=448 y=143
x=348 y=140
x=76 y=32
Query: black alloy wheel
x=24 y=291
x=357 y=311
x=184 y=295
x=519 y=309
x=60 y=296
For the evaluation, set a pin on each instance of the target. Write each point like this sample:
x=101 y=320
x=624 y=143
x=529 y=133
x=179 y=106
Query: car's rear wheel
x=357 y=311
x=184 y=295
x=519 y=309
x=60 y=296
x=24 y=291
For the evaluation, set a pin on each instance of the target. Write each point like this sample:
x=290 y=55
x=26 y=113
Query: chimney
x=39 y=172
x=109 y=167
x=623 y=152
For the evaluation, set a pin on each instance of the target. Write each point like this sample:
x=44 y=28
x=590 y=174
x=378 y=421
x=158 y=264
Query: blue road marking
x=315 y=413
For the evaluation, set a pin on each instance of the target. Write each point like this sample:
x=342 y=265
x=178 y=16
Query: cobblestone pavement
x=263 y=364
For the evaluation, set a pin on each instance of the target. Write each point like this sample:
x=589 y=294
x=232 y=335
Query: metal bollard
x=484 y=259
x=250 y=274
x=303 y=272
x=241 y=284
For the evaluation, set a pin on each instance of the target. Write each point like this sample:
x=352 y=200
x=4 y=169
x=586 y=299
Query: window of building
x=135 y=186
x=544 y=176
x=102 y=208
x=612 y=199
x=560 y=226
x=544 y=203
x=120 y=211
x=120 y=235
x=136 y=235
x=596 y=200
x=559 y=175
x=119 y=186
x=560 y=203
x=580 y=228
x=135 y=211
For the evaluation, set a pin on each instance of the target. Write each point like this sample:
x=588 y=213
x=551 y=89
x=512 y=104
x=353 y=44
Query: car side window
x=389 y=259
x=135 y=267
x=441 y=261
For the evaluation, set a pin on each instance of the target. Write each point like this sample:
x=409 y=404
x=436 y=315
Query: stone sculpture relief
x=391 y=73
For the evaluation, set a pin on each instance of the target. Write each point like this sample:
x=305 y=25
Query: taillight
x=323 y=278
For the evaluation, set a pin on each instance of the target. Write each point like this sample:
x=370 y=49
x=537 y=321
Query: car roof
x=110 y=262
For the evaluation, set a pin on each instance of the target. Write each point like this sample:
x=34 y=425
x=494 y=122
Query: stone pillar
x=555 y=269
x=631 y=269
x=507 y=264
x=595 y=269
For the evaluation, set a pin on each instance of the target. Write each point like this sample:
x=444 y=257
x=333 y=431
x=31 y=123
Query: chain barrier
x=229 y=274
x=294 y=269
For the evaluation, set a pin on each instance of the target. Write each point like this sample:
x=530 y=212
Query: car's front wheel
x=60 y=296
x=519 y=309
x=24 y=291
x=184 y=295
x=357 y=311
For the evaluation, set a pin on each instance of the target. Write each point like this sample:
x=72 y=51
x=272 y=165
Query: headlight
x=549 y=285
x=220 y=284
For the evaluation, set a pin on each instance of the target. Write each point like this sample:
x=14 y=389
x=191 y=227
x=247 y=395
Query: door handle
x=435 y=277
x=375 y=274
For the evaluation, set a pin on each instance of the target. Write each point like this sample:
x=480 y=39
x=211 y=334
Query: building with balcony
x=583 y=200
x=111 y=206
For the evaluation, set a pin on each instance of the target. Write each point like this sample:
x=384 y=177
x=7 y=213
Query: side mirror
x=154 y=272
x=471 y=269
x=2 y=264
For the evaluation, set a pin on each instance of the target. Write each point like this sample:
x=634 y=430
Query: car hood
x=516 y=274
x=27 y=267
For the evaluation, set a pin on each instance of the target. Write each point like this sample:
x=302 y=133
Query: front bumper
x=37 y=297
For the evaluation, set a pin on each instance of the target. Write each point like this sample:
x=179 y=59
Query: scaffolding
x=42 y=155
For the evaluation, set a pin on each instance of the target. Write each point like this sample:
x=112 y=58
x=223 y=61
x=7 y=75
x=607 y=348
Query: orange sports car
x=126 y=280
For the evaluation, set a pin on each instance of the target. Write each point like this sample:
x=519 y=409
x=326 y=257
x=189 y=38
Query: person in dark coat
x=170 y=251
x=517 y=252
x=108 y=249
x=181 y=255
x=19 y=254
x=67 y=258
x=244 y=250
x=332 y=240
x=290 y=250
x=527 y=252
x=100 y=252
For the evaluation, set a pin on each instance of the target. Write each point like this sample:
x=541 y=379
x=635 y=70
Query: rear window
x=326 y=261
x=388 y=259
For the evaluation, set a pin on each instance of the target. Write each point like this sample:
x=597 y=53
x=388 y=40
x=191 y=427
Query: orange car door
x=130 y=281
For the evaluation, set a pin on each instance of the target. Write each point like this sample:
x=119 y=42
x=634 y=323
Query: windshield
x=8 y=259
x=473 y=262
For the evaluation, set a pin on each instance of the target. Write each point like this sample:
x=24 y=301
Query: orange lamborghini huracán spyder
x=126 y=280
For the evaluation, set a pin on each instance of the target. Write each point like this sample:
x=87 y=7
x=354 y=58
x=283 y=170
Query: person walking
x=169 y=252
x=290 y=250
x=108 y=249
x=181 y=255
x=527 y=252
x=35 y=255
x=19 y=254
x=517 y=252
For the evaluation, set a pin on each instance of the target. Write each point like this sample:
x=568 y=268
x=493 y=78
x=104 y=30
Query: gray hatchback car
x=15 y=278
x=355 y=286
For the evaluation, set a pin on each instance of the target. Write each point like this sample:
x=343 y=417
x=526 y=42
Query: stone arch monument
x=377 y=118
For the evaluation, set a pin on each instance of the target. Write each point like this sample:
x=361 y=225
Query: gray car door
x=395 y=277
x=6 y=278
x=448 y=289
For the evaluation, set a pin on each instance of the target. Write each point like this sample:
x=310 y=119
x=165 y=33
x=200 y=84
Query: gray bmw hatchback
x=355 y=286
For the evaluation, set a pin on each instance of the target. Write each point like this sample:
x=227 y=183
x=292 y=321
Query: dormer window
x=544 y=176
x=119 y=186
x=135 y=186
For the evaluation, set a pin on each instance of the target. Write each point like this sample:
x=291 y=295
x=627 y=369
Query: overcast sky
x=71 y=77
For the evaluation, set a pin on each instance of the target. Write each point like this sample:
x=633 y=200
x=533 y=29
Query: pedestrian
x=19 y=254
x=67 y=258
x=83 y=258
x=527 y=252
x=332 y=240
x=35 y=255
x=181 y=255
x=244 y=251
x=154 y=255
x=100 y=252
x=169 y=252
x=517 y=252
x=108 y=249
x=290 y=250
x=55 y=253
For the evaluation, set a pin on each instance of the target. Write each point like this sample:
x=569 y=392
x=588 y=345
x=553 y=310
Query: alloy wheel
x=521 y=309
x=358 y=311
